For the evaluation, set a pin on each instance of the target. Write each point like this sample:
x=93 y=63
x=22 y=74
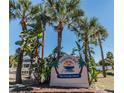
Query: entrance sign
x=69 y=73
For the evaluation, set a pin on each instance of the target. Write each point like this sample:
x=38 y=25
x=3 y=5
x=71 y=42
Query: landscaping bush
x=41 y=71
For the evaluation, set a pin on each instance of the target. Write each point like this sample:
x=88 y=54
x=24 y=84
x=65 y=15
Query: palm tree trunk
x=59 y=39
x=43 y=45
x=86 y=55
x=102 y=56
x=112 y=66
x=90 y=56
x=37 y=51
x=59 y=45
x=31 y=60
x=20 y=60
x=37 y=54
x=86 y=50
x=19 y=67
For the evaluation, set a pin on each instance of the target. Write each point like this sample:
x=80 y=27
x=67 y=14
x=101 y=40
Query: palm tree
x=22 y=10
x=110 y=59
x=83 y=29
x=11 y=9
x=39 y=27
x=36 y=32
x=101 y=48
x=99 y=35
x=62 y=13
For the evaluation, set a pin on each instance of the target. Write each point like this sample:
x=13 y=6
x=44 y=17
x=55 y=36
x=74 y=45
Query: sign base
x=69 y=73
x=70 y=82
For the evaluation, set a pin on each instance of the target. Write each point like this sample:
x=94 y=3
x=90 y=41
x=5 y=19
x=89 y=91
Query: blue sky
x=102 y=9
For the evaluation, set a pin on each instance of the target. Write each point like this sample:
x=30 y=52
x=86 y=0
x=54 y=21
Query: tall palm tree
x=38 y=24
x=99 y=35
x=37 y=32
x=103 y=32
x=22 y=10
x=83 y=29
x=62 y=13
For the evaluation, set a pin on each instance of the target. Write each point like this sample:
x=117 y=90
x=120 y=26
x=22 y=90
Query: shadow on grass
x=49 y=92
x=29 y=88
x=108 y=90
x=25 y=89
x=64 y=92
x=12 y=83
x=110 y=73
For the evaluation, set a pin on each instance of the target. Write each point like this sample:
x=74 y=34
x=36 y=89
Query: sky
x=102 y=9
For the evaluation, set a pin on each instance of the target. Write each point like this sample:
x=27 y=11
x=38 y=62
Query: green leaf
x=40 y=35
x=81 y=62
x=19 y=43
x=54 y=64
x=78 y=45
